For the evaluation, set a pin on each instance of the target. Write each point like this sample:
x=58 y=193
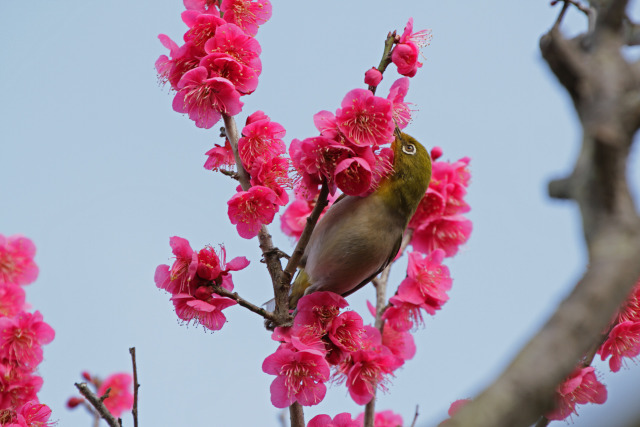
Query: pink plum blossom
x=300 y=376
x=446 y=233
x=427 y=281
x=16 y=260
x=353 y=176
x=22 y=336
x=372 y=77
x=347 y=331
x=294 y=218
x=325 y=122
x=204 y=307
x=631 y=309
x=120 y=396
x=383 y=419
x=191 y=273
x=182 y=59
x=220 y=157
x=340 y=420
x=623 y=341
x=208 y=6
x=580 y=387
x=400 y=110
x=403 y=315
x=246 y=14
x=249 y=210
x=365 y=119
x=261 y=139
x=274 y=174
x=12 y=299
x=401 y=344
x=243 y=78
x=202 y=26
x=206 y=99
x=230 y=39
x=405 y=54
x=17 y=386
x=178 y=278
x=367 y=368
x=32 y=414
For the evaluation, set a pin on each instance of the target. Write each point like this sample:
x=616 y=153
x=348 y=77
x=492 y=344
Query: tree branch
x=98 y=404
x=602 y=86
x=136 y=386
x=244 y=303
x=296 y=414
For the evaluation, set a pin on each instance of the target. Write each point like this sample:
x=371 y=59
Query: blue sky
x=99 y=171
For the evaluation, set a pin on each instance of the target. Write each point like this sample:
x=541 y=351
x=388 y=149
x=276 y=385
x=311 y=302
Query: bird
x=359 y=236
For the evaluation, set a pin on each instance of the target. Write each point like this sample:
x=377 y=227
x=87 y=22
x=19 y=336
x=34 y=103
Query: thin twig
x=565 y=6
x=386 y=56
x=576 y=3
x=244 y=303
x=136 y=386
x=415 y=417
x=98 y=404
x=232 y=174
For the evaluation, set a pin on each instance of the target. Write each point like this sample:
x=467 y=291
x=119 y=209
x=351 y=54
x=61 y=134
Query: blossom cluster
x=261 y=150
x=622 y=342
x=192 y=280
x=119 y=387
x=22 y=335
x=347 y=153
x=381 y=419
x=219 y=61
x=323 y=338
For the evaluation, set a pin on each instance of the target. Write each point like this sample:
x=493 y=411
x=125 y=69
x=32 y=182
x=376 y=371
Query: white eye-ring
x=409 y=149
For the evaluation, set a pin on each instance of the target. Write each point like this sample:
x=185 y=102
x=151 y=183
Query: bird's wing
x=392 y=255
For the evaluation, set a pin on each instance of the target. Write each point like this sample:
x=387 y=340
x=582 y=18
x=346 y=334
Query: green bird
x=359 y=236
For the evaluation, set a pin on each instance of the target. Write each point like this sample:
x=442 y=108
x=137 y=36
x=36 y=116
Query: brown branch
x=391 y=39
x=415 y=417
x=244 y=303
x=576 y=3
x=266 y=244
x=97 y=403
x=136 y=386
x=296 y=414
x=601 y=83
x=231 y=174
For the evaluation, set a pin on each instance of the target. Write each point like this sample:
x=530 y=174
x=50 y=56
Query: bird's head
x=411 y=174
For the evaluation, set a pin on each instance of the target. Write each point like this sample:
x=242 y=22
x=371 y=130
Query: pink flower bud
x=373 y=77
x=74 y=401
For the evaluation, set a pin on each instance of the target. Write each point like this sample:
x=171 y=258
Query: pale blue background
x=99 y=171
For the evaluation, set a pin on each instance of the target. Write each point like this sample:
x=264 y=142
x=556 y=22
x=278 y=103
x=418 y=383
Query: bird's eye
x=409 y=149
